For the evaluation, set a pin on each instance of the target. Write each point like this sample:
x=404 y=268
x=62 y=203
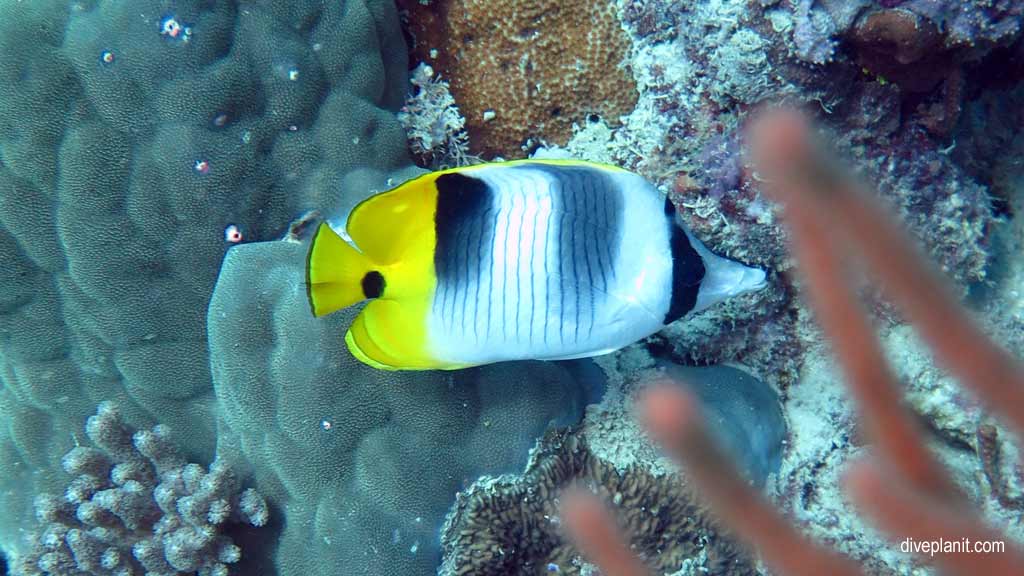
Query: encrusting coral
x=510 y=524
x=525 y=71
x=136 y=507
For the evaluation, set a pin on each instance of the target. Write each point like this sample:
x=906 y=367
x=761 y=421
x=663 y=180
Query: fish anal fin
x=391 y=334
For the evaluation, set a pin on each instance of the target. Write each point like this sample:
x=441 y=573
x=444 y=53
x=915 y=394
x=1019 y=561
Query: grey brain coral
x=136 y=507
x=509 y=525
x=362 y=462
x=111 y=238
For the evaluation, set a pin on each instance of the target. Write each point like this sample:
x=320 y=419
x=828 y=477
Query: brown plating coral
x=510 y=524
x=525 y=71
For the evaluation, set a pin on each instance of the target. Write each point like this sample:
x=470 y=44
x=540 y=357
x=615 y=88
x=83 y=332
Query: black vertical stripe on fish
x=460 y=268
x=574 y=216
x=687 y=272
x=461 y=199
x=471 y=278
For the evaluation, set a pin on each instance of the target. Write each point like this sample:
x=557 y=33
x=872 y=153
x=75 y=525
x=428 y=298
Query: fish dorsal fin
x=384 y=225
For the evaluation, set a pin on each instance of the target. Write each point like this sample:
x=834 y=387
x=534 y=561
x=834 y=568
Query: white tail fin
x=723 y=278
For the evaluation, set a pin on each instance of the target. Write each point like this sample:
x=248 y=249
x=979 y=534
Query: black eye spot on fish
x=373 y=284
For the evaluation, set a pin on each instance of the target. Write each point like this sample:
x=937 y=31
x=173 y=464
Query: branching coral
x=510 y=524
x=526 y=70
x=135 y=506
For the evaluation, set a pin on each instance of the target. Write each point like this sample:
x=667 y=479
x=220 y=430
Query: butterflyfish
x=529 y=259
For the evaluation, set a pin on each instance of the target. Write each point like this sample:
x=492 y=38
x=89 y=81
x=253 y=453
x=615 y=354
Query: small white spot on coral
x=170 y=27
x=233 y=234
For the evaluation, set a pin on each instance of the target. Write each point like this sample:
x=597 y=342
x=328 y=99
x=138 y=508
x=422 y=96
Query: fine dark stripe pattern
x=563 y=217
x=504 y=270
x=581 y=236
x=495 y=214
x=483 y=253
x=551 y=228
x=585 y=224
x=590 y=243
x=462 y=203
x=530 y=275
x=516 y=219
x=687 y=269
x=573 y=284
